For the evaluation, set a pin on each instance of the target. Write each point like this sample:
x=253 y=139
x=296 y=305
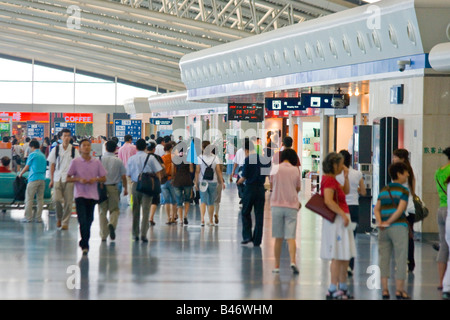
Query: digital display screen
x=252 y=112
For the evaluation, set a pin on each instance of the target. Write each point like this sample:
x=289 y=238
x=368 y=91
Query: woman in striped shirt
x=393 y=229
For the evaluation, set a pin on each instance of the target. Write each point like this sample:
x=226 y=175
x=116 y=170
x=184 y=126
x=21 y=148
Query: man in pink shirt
x=86 y=172
x=125 y=152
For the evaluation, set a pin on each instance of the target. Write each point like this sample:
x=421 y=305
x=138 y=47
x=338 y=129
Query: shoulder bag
x=317 y=205
x=101 y=187
x=148 y=183
x=420 y=208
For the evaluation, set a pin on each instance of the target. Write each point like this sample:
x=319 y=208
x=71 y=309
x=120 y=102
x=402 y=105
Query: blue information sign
x=124 y=127
x=283 y=104
x=35 y=131
x=323 y=100
x=161 y=121
x=65 y=125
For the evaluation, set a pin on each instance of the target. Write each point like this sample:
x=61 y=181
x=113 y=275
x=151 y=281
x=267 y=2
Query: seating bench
x=7 y=192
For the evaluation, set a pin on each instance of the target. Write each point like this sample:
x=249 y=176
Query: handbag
x=317 y=205
x=101 y=187
x=102 y=192
x=420 y=208
x=148 y=183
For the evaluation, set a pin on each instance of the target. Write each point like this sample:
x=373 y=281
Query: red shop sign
x=79 y=117
x=25 y=116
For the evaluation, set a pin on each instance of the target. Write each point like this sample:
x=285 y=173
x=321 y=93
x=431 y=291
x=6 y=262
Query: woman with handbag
x=338 y=242
x=402 y=155
x=393 y=227
x=441 y=176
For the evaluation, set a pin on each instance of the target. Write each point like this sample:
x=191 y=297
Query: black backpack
x=20 y=187
x=209 y=172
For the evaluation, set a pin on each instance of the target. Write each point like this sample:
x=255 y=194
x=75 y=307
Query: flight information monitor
x=252 y=112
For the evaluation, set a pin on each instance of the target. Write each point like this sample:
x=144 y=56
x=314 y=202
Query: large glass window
x=25 y=83
x=11 y=70
x=16 y=92
x=125 y=92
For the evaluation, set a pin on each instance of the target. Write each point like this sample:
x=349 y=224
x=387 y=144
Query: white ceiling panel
x=141 y=41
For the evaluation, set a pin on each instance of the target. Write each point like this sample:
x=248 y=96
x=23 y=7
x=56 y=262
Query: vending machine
x=362 y=161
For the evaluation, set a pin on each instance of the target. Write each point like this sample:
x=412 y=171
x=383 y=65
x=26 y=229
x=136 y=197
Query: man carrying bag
x=138 y=166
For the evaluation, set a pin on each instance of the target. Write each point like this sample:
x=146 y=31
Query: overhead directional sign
x=283 y=104
x=161 y=121
x=323 y=100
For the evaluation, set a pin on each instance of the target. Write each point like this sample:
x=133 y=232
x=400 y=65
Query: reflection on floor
x=37 y=261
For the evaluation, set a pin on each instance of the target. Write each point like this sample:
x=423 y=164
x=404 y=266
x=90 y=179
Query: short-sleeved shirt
x=255 y=171
x=86 y=169
x=354 y=177
x=389 y=206
x=126 y=151
x=285 y=179
x=62 y=162
x=167 y=159
x=205 y=161
x=240 y=157
x=38 y=165
x=115 y=168
x=331 y=183
x=136 y=165
x=441 y=175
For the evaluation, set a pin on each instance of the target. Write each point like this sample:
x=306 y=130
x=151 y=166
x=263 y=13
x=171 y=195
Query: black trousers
x=85 y=213
x=411 y=263
x=253 y=198
x=354 y=217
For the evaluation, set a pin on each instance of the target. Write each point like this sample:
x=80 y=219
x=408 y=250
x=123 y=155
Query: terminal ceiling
x=141 y=41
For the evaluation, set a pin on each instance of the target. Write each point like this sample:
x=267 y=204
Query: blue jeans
x=168 y=193
x=182 y=194
x=209 y=195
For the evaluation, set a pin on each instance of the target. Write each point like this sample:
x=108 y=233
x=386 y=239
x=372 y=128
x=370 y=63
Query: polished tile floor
x=37 y=261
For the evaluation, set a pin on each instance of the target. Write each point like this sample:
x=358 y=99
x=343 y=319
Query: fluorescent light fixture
x=371 y=1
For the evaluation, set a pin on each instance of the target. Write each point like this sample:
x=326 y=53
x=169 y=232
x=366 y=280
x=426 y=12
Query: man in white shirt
x=59 y=160
x=135 y=167
x=116 y=173
x=238 y=163
x=159 y=150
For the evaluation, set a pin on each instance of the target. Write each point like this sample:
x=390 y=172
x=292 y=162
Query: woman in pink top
x=285 y=185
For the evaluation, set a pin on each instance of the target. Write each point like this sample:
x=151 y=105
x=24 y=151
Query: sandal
x=402 y=295
x=385 y=295
x=336 y=295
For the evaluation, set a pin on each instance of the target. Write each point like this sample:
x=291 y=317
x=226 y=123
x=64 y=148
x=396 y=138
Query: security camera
x=338 y=103
x=402 y=64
